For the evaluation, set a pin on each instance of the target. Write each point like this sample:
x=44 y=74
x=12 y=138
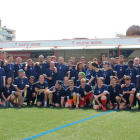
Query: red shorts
x=71 y=101
x=86 y=99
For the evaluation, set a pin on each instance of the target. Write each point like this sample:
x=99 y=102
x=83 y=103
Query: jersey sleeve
x=137 y=73
x=106 y=89
x=125 y=73
x=63 y=93
x=133 y=87
x=27 y=83
x=46 y=84
x=51 y=89
x=115 y=69
x=15 y=83
x=67 y=69
x=3 y=73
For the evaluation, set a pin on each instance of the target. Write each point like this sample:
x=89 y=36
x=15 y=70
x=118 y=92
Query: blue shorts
x=28 y=98
x=40 y=100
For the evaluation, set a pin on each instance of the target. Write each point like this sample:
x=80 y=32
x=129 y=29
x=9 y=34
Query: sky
x=68 y=19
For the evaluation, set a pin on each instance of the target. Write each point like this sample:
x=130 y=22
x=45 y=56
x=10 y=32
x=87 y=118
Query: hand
x=77 y=107
x=100 y=105
x=54 y=90
x=25 y=68
x=5 y=64
x=50 y=78
x=86 y=93
x=124 y=92
x=82 y=99
x=39 y=93
x=33 y=64
x=37 y=63
x=21 y=91
x=5 y=100
x=96 y=98
x=122 y=85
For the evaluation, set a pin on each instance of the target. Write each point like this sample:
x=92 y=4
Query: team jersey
x=41 y=86
x=98 y=91
x=69 y=93
x=65 y=87
x=85 y=66
x=58 y=94
x=2 y=74
x=62 y=71
x=31 y=71
x=82 y=91
x=138 y=71
x=21 y=83
x=50 y=73
x=76 y=72
x=120 y=70
x=78 y=82
x=132 y=73
x=96 y=75
x=17 y=67
x=89 y=73
x=107 y=75
x=73 y=67
x=71 y=73
x=9 y=70
x=130 y=88
x=30 y=90
x=47 y=64
x=8 y=91
x=114 y=91
x=101 y=65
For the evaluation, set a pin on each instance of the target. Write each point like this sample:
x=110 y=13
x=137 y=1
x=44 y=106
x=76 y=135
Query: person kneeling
x=101 y=94
x=127 y=94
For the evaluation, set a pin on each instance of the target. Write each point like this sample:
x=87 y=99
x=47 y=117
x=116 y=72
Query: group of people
x=69 y=84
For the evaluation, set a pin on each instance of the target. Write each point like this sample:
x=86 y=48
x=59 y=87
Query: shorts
x=40 y=100
x=1 y=90
x=100 y=100
x=28 y=98
x=71 y=101
x=17 y=96
x=56 y=101
x=127 y=100
x=113 y=100
x=86 y=99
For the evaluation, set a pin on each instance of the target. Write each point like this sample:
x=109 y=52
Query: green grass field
x=18 y=124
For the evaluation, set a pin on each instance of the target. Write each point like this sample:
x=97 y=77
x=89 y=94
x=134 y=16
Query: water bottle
x=7 y=104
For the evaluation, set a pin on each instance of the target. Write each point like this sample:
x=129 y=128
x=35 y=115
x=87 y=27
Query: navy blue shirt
x=132 y=73
x=2 y=74
x=51 y=73
x=120 y=70
x=101 y=65
x=31 y=71
x=17 y=67
x=69 y=93
x=82 y=91
x=30 y=90
x=98 y=91
x=139 y=71
x=71 y=73
x=62 y=71
x=73 y=67
x=8 y=91
x=41 y=86
x=9 y=70
x=65 y=87
x=21 y=83
x=114 y=91
x=130 y=88
x=78 y=82
x=107 y=75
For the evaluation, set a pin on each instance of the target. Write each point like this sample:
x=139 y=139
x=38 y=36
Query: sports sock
x=104 y=102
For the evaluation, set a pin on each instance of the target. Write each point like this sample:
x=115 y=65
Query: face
x=112 y=61
x=9 y=80
x=31 y=80
x=73 y=59
x=103 y=58
x=105 y=65
x=80 y=66
x=52 y=65
x=127 y=82
x=3 y=55
x=83 y=83
x=136 y=61
x=10 y=59
x=121 y=59
x=57 y=85
x=113 y=81
x=82 y=60
x=117 y=61
x=41 y=58
x=21 y=74
x=19 y=60
x=61 y=61
x=66 y=80
x=130 y=64
x=71 y=84
x=54 y=59
x=100 y=82
x=48 y=59
x=69 y=64
x=80 y=76
x=30 y=63
x=41 y=78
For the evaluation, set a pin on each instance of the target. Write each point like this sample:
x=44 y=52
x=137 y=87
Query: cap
x=105 y=62
x=20 y=70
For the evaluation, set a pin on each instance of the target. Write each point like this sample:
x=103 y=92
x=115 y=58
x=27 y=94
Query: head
x=3 y=55
x=81 y=75
x=52 y=64
x=70 y=63
x=9 y=81
x=48 y=59
x=114 y=80
x=127 y=80
x=20 y=72
x=10 y=58
x=73 y=59
x=117 y=60
x=0 y=63
x=130 y=63
x=94 y=65
x=61 y=60
x=58 y=84
x=79 y=66
x=41 y=78
x=89 y=65
x=19 y=60
x=82 y=59
x=83 y=82
x=71 y=83
x=53 y=58
x=121 y=58
x=66 y=79
x=104 y=57
x=95 y=60
x=105 y=64
x=136 y=61
x=41 y=58
x=100 y=81
x=29 y=62
x=31 y=79
x=112 y=61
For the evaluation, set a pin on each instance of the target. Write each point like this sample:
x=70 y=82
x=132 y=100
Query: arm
x=3 y=81
x=68 y=75
x=91 y=79
x=102 y=94
x=77 y=103
x=129 y=92
x=55 y=69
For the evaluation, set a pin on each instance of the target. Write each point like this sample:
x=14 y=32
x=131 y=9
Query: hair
x=95 y=59
x=3 y=52
x=127 y=78
x=52 y=57
x=11 y=80
x=77 y=66
x=41 y=56
x=101 y=78
x=82 y=57
x=61 y=57
x=73 y=57
x=117 y=58
x=31 y=77
x=65 y=78
x=114 y=77
x=18 y=58
x=94 y=64
x=136 y=58
x=59 y=82
x=70 y=61
x=70 y=81
x=52 y=62
x=104 y=55
x=131 y=61
x=29 y=60
x=83 y=80
x=41 y=76
x=121 y=56
x=82 y=73
x=10 y=55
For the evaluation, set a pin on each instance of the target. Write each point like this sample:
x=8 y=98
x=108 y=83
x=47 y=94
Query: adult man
x=120 y=69
x=21 y=84
x=82 y=60
x=127 y=93
x=104 y=58
x=112 y=63
x=58 y=94
x=70 y=63
x=62 y=70
x=117 y=60
x=2 y=57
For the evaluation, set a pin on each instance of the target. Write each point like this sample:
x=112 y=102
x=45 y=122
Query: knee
x=95 y=108
x=103 y=98
x=120 y=107
x=34 y=95
x=117 y=98
x=131 y=95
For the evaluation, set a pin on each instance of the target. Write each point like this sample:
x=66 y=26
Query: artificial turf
x=18 y=124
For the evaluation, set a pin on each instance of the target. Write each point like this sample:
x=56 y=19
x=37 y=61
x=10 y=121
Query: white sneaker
x=10 y=104
x=116 y=107
x=45 y=104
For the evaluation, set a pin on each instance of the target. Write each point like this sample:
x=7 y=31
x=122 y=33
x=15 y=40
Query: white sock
x=45 y=103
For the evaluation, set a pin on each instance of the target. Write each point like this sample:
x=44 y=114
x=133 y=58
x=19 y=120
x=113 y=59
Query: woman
x=79 y=68
x=8 y=93
x=101 y=94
